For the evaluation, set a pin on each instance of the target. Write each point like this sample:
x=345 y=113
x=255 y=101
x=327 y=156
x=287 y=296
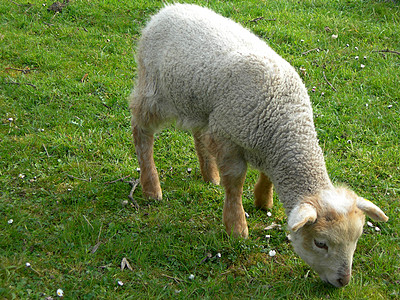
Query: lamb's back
x=202 y=61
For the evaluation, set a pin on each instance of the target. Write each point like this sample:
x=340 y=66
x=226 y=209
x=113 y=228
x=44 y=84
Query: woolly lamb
x=244 y=104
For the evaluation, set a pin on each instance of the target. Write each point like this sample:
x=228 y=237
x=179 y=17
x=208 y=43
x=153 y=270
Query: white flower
x=335 y=36
x=377 y=228
x=272 y=253
x=10 y=221
x=356 y=57
x=246 y=214
x=356 y=48
x=362 y=66
x=218 y=255
x=10 y=119
x=269 y=214
x=191 y=277
x=60 y=293
x=370 y=224
x=28 y=265
x=120 y=283
x=267 y=236
x=21 y=176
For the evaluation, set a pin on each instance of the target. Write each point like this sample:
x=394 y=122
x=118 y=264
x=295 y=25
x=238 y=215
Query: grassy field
x=65 y=141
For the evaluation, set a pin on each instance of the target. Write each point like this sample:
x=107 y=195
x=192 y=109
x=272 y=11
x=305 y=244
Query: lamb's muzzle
x=244 y=104
x=341 y=281
x=344 y=280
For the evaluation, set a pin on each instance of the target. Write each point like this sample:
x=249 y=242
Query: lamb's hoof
x=239 y=233
x=214 y=181
x=265 y=204
x=263 y=207
x=245 y=233
x=153 y=195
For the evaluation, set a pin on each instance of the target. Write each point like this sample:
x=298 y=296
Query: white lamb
x=244 y=104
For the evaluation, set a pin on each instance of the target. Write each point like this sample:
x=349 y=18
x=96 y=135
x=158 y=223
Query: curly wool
x=211 y=74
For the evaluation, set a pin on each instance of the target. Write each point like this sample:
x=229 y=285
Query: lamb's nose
x=344 y=280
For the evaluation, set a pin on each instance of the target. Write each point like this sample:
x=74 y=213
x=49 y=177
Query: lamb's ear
x=371 y=210
x=301 y=215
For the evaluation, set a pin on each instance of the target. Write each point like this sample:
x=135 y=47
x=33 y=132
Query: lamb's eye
x=321 y=245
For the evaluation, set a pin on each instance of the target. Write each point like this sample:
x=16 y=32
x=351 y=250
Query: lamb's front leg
x=234 y=215
x=148 y=173
x=233 y=172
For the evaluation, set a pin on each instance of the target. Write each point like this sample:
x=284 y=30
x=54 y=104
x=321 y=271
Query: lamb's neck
x=297 y=177
x=292 y=192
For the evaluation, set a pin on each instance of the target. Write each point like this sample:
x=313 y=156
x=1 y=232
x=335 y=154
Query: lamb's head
x=325 y=229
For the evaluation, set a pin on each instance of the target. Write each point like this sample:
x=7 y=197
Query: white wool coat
x=211 y=74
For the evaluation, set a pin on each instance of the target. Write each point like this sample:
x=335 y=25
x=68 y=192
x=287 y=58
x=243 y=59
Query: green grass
x=62 y=140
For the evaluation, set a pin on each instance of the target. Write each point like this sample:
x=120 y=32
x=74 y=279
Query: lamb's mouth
x=336 y=283
x=330 y=283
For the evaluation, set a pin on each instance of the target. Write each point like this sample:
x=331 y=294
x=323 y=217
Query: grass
x=63 y=138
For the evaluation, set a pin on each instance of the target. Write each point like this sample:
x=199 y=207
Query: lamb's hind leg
x=263 y=192
x=232 y=167
x=148 y=173
x=208 y=164
x=145 y=119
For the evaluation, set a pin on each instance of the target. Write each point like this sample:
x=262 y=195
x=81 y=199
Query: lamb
x=244 y=105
